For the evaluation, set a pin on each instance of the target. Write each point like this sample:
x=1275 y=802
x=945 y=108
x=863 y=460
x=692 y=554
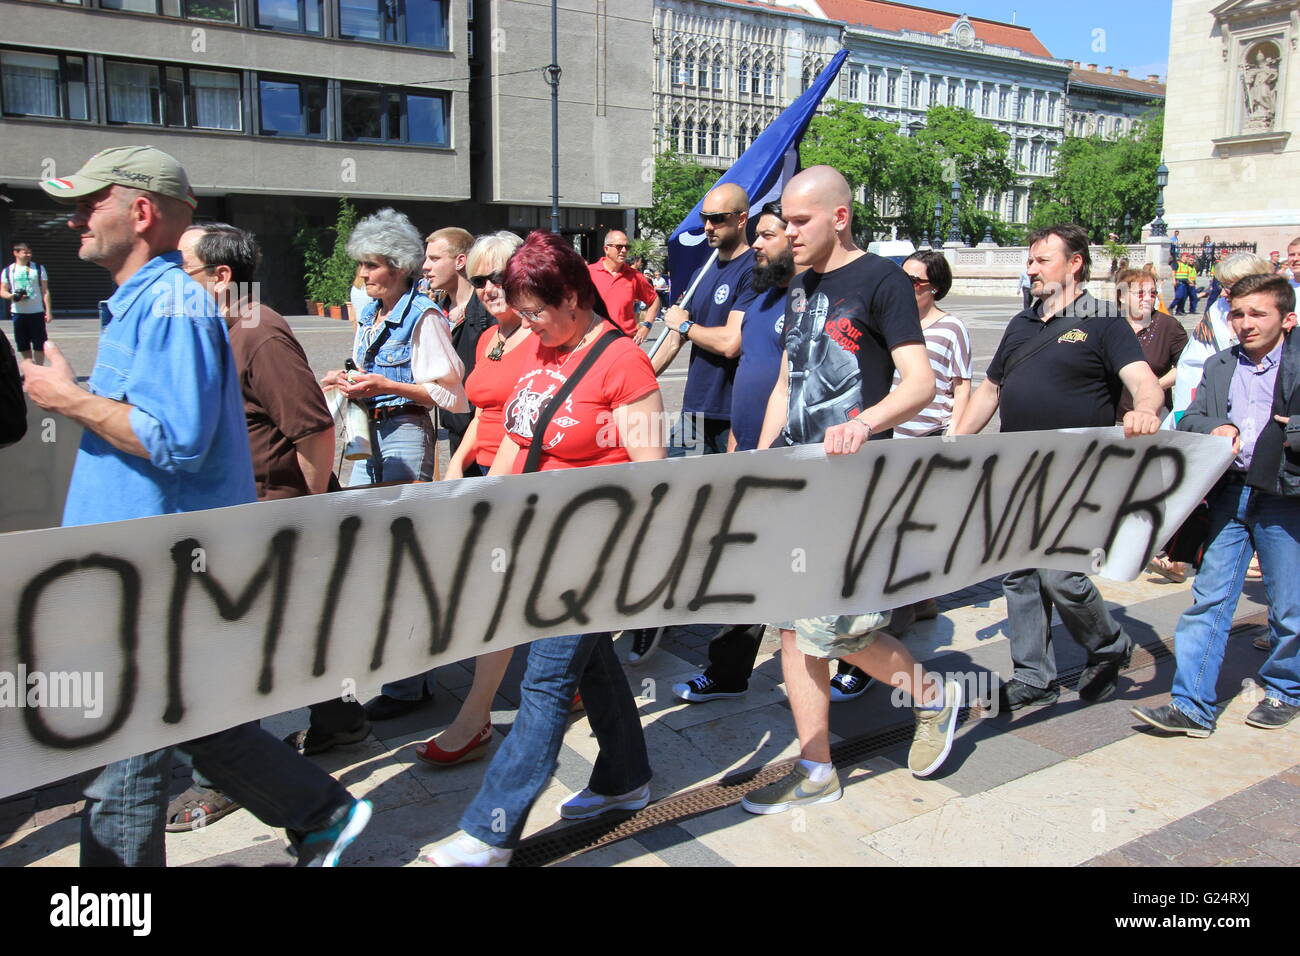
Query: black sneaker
x=850 y=685
x=645 y=641
x=1171 y=720
x=1272 y=714
x=1097 y=682
x=702 y=688
x=1015 y=694
x=314 y=741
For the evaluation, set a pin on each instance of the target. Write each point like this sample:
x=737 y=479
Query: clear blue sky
x=1134 y=33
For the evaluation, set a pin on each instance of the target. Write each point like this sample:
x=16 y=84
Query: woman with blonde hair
x=496 y=369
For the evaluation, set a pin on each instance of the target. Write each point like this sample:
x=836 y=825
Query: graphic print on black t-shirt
x=824 y=376
x=839 y=329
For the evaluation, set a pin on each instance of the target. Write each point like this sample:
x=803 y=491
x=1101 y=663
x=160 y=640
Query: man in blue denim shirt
x=165 y=433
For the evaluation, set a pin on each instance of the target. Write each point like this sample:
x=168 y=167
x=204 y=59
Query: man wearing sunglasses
x=622 y=287
x=444 y=270
x=705 y=321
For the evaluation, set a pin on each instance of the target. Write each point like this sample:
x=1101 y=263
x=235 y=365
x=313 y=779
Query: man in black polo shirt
x=1063 y=364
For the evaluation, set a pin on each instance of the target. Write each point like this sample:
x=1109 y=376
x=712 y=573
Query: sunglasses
x=615 y=245
x=496 y=278
x=718 y=218
x=917 y=281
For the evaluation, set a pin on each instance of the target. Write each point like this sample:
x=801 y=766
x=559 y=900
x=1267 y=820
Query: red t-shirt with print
x=582 y=432
x=489 y=387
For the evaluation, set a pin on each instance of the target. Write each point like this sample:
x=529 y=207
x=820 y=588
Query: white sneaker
x=466 y=850
x=586 y=804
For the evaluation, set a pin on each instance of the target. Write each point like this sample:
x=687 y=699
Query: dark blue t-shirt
x=760 y=363
x=709 y=377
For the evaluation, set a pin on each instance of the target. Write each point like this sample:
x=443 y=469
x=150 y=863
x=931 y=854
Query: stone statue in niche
x=1259 y=88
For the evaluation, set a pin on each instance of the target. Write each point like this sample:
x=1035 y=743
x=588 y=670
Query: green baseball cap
x=140 y=167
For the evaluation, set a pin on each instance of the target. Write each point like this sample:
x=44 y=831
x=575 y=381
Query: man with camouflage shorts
x=835 y=388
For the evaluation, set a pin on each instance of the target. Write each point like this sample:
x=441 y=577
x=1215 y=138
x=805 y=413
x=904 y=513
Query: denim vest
x=393 y=359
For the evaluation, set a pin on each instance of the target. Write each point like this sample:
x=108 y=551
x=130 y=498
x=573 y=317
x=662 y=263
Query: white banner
x=191 y=623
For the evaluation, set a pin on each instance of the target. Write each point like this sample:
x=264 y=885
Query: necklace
x=595 y=322
x=499 y=346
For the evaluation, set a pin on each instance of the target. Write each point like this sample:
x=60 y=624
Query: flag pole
x=690 y=291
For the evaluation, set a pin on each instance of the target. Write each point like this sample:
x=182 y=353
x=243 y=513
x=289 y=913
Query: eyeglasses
x=531 y=315
x=496 y=278
x=615 y=245
x=718 y=218
x=917 y=281
x=191 y=272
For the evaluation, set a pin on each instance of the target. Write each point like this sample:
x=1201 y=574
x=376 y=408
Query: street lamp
x=954 y=234
x=1128 y=226
x=1162 y=180
x=938 y=220
x=553 y=73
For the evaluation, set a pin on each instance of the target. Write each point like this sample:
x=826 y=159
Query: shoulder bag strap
x=547 y=411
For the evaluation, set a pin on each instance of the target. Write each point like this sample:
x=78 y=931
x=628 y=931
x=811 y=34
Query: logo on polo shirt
x=721 y=293
x=1074 y=335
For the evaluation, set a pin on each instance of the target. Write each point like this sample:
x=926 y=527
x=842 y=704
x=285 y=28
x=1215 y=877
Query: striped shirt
x=948 y=345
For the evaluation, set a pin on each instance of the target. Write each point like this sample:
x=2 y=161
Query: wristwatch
x=645 y=324
x=685 y=326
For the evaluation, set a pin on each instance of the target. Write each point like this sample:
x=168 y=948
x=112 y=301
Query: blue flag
x=762 y=171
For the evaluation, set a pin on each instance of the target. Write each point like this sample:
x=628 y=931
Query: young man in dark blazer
x=1249 y=393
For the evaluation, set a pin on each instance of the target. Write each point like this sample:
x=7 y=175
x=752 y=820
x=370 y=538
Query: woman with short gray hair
x=403 y=364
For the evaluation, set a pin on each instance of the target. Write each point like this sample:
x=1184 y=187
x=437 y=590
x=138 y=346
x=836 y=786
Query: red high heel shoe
x=434 y=755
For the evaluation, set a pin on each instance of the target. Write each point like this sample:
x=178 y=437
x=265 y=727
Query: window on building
x=715 y=139
x=173 y=96
x=936 y=97
x=769 y=81
x=688 y=144
x=717 y=71
x=742 y=139
x=43 y=84
x=688 y=74
x=421 y=23
x=702 y=138
x=291 y=106
x=1038 y=108
x=223 y=11
x=702 y=78
x=855 y=84
x=915 y=92
x=891 y=91
x=743 y=75
x=970 y=98
x=675 y=134
x=296 y=16
x=1034 y=150
x=986 y=102
x=1051 y=109
x=873 y=88
x=1002 y=104
x=1022 y=107
x=1020 y=155
x=386 y=115
x=1049 y=158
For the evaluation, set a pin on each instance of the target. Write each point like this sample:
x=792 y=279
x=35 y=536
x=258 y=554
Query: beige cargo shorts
x=832 y=637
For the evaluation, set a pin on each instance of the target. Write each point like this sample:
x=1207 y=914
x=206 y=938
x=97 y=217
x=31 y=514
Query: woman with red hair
x=612 y=414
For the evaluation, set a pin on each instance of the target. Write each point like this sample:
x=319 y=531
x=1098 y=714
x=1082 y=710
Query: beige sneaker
x=934 y=730
x=792 y=790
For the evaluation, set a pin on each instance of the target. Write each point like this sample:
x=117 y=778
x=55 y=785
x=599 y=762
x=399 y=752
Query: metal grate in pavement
x=551 y=847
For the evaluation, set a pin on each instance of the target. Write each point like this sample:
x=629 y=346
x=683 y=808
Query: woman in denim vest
x=402 y=350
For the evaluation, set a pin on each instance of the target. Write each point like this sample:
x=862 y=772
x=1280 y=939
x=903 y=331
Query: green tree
x=678 y=185
x=1097 y=182
x=863 y=149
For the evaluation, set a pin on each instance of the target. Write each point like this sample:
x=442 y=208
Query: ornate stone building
x=724 y=69
x=1234 y=91
x=1107 y=102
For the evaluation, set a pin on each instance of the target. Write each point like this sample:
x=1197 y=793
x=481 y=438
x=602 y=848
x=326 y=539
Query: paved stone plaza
x=1066 y=785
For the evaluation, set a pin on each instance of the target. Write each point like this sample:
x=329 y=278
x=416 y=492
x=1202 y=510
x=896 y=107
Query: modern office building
x=439 y=108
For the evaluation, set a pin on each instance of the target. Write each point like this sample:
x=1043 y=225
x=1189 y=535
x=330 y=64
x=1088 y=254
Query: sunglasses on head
x=718 y=218
x=496 y=278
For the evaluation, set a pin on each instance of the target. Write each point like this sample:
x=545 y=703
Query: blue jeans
x=1242 y=520
x=558 y=666
x=406 y=445
x=126 y=804
x=1031 y=594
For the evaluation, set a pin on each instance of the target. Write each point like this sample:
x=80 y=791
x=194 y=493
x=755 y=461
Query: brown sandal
x=196 y=808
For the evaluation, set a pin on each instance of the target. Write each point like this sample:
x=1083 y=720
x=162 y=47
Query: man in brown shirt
x=291 y=436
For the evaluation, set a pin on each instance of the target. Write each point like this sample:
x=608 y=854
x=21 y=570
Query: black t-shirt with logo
x=1071 y=383
x=839 y=329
